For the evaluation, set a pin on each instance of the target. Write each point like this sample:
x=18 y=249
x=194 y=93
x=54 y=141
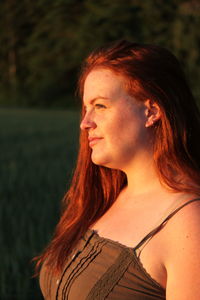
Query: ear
x=152 y=112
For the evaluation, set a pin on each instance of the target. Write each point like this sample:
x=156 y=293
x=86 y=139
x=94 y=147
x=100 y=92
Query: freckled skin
x=120 y=124
x=171 y=257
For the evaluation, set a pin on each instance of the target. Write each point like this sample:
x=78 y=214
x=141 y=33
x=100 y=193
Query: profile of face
x=117 y=124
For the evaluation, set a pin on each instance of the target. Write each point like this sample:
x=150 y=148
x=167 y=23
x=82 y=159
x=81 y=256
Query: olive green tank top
x=100 y=268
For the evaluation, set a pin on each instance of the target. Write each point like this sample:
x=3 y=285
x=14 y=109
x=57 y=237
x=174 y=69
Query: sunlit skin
x=123 y=128
x=120 y=123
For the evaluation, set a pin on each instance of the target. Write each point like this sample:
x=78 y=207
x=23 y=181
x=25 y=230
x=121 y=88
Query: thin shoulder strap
x=159 y=227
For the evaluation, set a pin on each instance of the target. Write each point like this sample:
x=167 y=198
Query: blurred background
x=42 y=44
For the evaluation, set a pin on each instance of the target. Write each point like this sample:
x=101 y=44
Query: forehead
x=104 y=83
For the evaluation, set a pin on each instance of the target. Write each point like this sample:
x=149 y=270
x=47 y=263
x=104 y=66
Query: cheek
x=115 y=125
x=125 y=124
x=128 y=129
x=118 y=130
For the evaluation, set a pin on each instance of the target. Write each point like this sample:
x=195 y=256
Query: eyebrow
x=97 y=98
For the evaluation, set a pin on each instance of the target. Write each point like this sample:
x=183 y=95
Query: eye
x=99 y=106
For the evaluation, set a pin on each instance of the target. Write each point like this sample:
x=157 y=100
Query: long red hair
x=151 y=72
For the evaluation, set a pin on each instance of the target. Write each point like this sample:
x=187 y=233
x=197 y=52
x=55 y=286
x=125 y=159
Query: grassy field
x=38 y=152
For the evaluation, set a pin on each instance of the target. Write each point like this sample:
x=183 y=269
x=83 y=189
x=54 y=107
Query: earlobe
x=152 y=112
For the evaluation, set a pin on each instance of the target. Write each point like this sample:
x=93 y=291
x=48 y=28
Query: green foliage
x=38 y=150
x=43 y=42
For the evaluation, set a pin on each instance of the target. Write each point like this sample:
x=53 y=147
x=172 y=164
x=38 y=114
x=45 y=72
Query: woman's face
x=114 y=120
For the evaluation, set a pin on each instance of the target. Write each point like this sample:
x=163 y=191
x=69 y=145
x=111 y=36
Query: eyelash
x=99 y=106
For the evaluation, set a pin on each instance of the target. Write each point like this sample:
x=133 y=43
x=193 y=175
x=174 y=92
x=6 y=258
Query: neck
x=142 y=177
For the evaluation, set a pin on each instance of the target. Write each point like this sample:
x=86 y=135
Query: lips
x=93 y=140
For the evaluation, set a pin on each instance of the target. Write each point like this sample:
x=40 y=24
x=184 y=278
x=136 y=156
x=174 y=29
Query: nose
x=87 y=122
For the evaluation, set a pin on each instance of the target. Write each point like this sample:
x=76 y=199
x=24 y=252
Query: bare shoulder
x=182 y=260
x=185 y=224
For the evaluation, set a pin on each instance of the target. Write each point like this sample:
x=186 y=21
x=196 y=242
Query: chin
x=100 y=161
x=103 y=162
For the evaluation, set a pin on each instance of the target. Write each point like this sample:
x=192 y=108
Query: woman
x=130 y=227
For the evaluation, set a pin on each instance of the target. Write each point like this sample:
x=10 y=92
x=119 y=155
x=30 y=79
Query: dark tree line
x=43 y=42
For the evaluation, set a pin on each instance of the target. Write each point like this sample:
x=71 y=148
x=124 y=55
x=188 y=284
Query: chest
x=130 y=229
x=101 y=269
